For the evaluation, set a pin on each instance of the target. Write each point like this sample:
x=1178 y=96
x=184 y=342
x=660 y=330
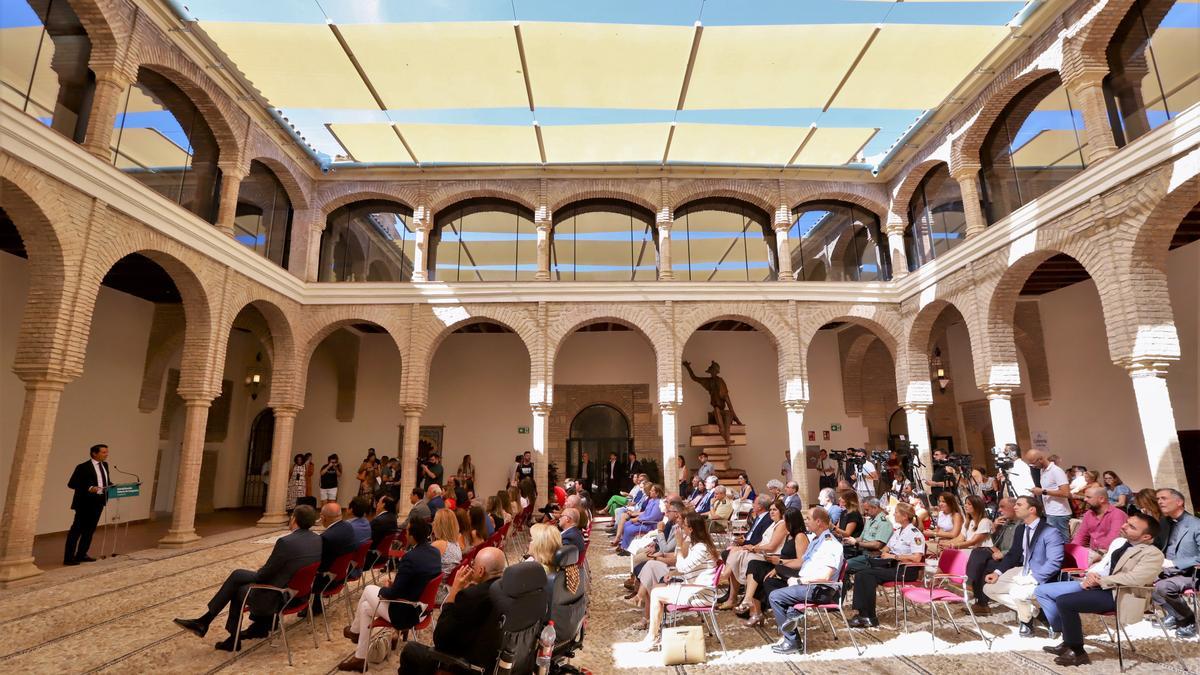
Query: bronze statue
x=718 y=397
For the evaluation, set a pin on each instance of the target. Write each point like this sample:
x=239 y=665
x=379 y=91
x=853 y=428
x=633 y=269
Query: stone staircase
x=707 y=437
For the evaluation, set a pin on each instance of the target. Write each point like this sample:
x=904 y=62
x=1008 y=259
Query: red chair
x=337 y=574
x=1077 y=559
x=358 y=564
x=708 y=613
x=382 y=557
x=825 y=607
x=426 y=606
x=952 y=569
x=297 y=597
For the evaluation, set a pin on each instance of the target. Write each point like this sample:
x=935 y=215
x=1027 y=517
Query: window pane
x=720 y=245
x=837 y=241
x=487 y=243
x=57 y=96
x=602 y=245
x=367 y=241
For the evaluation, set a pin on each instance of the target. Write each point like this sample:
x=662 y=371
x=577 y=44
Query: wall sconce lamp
x=254 y=377
x=939 y=371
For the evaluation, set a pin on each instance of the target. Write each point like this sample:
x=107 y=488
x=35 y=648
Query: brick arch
x=759 y=194
x=35 y=208
x=323 y=324
x=283 y=172
x=903 y=196
x=653 y=327
x=883 y=322
x=450 y=196
x=920 y=332
x=852 y=372
x=1089 y=46
x=228 y=124
x=764 y=319
x=877 y=207
x=597 y=192
x=967 y=148
x=106 y=25
x=282 y=345
x=333 y=196
x=1152 y=238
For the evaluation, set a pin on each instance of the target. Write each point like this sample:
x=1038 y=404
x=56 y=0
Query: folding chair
x=380 y=558
x=708 y=612
x=1159 y=614
x=825 y=607
x=297 y=597
x=1078 y=558
x=426 y=606
x=358 y=565
x=952 y=568
x=899 y=584
x=337 y=574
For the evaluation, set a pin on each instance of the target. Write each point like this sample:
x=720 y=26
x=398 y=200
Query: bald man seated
x=463 y=630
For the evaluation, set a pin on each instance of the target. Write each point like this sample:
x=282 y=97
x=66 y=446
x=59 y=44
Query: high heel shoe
x=754 y=620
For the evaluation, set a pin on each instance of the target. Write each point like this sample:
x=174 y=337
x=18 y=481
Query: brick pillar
x=281 y=459
x=665 y=221
x=300 y=261
x=231 y=183
x=107 y=100
x=668 y=412
x=187 y=485
x=967 y=176
x=408 y=453
x=27 y=478
x=795 y=429
x=783 y=252
x=1158 y=425
x=918 y=433
x=421 y=224
x=1087 y=94
x=895 y=239
x=1004 y=429
x=541 y=448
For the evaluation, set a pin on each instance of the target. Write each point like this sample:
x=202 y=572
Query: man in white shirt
x=1020 y=476
x=865 y=476
x=826 y=470
x=822 y=562
x=1054 y=490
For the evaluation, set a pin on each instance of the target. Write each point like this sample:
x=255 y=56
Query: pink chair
x=825 y=607
x=1077 y=559
x=952 y=569
x=708 y=613
x=900 y=584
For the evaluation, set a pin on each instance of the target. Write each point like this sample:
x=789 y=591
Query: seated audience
x=544 y=542
x=821 y=563
x=720 y=510
x=949 y=522
x=657 y=545
x=850 y=520
x=360 y=507
x=705 y=505
x=1101 y=523
x=977 y=527
x=758 y=571
x=1130 y=560
x=420 y=565
x=476 y=526
x=622 y=499
x=384 y=522
x=695 y=566
x=775 y=489
x=418 y=509
x=338 y=539
x=877 y=531
x=791 y=495
x=568 y=521
x=291 y=552
x=434 y=499
x=645 y=520
x=1181 y=558
x=1146 y=501
x=827 y=499
x=696 y=493
x=986 y=559
x=760 y=522
x=1119 y=494
x=445 y=540
x=1035 y=558
x=906 y=547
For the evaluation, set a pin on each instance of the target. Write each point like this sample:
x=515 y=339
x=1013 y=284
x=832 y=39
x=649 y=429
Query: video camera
x=959 y=462
x=1004 y=458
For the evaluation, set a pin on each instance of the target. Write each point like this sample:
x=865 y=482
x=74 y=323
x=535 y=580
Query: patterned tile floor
x=115 y=616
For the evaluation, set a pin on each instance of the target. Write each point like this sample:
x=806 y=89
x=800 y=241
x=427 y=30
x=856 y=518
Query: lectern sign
x=122 y=490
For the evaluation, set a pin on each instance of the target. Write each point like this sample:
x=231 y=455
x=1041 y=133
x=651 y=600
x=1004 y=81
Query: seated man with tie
x=1035 y=558
x=90 y=483
x=1181 y=558
x=1131 y=560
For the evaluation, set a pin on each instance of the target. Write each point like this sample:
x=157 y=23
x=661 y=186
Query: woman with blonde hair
x=544 y=542
x=445 y=540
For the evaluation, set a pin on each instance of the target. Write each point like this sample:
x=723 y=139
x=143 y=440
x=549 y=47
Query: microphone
x=127 y=473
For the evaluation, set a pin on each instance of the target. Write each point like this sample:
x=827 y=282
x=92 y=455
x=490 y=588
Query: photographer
x=863 y=474
x=944 y=477
x=431 y=470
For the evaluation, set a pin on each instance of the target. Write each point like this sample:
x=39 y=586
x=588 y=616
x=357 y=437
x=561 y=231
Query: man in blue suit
x=338 y=539
x=1182 y=557
x=1035 y=558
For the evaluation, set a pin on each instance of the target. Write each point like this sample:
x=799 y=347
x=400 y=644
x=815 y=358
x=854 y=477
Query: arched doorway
x=262 y=430
x=597 y=430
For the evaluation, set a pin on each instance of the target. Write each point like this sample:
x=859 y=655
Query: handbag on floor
x=683 y=645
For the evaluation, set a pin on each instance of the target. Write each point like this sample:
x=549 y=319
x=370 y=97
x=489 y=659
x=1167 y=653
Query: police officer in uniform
x=907 y=545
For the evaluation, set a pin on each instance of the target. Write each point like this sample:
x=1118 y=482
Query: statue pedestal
x=707 y=437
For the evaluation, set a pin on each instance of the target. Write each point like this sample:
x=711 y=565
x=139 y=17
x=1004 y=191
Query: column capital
x=783 y=218
x=285 y=409
x=965 y=170
x=234 y=168
x=1147 y=367
x=916 y=407
x=540 y=408
x=1084 y=76
x=668 y=406
x=795 y=405
x=998 y=392
x=543 y=216
x=196 y=397
x=413 y=409
x=664 y=218
x=43 y=381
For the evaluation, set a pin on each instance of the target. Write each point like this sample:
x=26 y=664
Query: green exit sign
x=835 y=427
x=522 y=430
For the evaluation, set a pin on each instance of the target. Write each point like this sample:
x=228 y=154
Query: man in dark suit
x=459 y=632
x=610 y=478
x=292 y=552
x=338 y=539
x=1181 y=557
x=586 y=472
x=760 y=520
x=385 y=521
x=1037 y=551
x=629 y=470
x=568 y=520
x=90 y=483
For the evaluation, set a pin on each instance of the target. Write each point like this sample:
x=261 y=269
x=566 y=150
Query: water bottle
x=545 y=649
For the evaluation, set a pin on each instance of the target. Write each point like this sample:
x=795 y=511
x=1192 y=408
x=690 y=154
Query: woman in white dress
x=977 y=527
x=695 y=567
x=948 y=523
x=297 y=481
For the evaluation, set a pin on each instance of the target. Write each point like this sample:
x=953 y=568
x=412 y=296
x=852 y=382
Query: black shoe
x=1073 y=659
x=786 y=646
x=743 y=615
x=1059 y=649
x=724 y=597
x=1186 y=632
x=70 y=563
x=256 y=631
x=197 y=626
x=226 y=645
x=622 y=552
x=1026 y=629
x=86 y=558
x=864 y=622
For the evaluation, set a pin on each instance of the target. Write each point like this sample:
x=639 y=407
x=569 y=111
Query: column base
x=178 y=539
x=273 y=520
x=666 y=276
x=14 y=571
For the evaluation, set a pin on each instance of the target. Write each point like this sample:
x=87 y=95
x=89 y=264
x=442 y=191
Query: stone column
x=187 y=484
x=421 y=225
x=667 y=412
x=1086 y=89
x=967 y=176
x=409 y=449
x=895 y=240
x=918 y=434
x=783 y=252
x=27 y=478
x=231 y=183
x=665 y=220
x=1004 y=430
x=543 y=251
x=275 y=514
x=795 y=429
x=1158 y=425
x=541 y=443
x=107 y=100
